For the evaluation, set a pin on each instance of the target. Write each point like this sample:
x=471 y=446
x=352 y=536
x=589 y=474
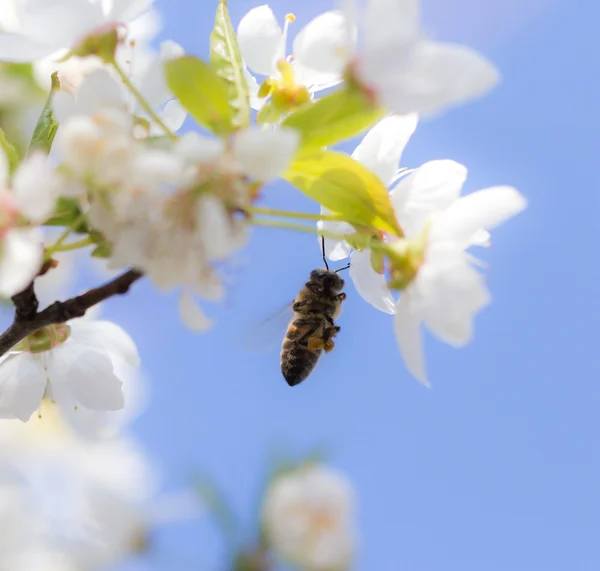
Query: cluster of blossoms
x=106 y=161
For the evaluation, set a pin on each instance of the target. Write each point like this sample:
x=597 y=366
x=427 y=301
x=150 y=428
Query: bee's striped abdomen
x=297 y=362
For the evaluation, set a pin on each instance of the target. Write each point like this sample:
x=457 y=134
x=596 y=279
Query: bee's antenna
x=323 y=247
x=342 y=269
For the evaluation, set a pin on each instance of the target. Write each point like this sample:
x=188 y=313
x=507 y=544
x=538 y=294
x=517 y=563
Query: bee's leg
x=341 y=296
x=328 y=345
x=316 y=343
x=298 y=305
x=314 y=287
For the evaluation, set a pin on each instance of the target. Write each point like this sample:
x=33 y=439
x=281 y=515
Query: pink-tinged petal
x=20 y=260
x=265 y=154
x=382 y=147
x=481 y=210
x=432 y=187
x=87 y=375
x=407 y=325
x=369 y=284
x=36 y=187
x=106 y=335
x=431 y=77
x=191 y=315
x=17 y=48
x=22 y=385
x=259 y=38
x=320 y=48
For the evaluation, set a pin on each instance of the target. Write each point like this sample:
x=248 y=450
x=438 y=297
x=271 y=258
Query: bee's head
x=327 y=279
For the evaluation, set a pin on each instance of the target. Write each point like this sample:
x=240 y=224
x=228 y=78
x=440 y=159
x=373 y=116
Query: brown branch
x=27 y=320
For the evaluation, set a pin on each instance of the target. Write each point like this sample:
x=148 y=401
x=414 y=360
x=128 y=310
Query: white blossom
x=50 y=27
x=263 y=43
x=399 y=67
x=308 y=519
x=30 y=194
x=74 y=365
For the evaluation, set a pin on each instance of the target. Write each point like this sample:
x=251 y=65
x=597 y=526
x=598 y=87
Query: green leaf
x=202 y=92
x=344 y=186
x=10 y=152
x=334 y=118
x=226 y=60
x=68 y=213
x=46 y=127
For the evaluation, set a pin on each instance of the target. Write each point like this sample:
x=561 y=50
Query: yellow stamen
x=290 y=18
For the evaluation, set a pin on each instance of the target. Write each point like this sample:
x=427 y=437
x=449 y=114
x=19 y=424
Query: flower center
x=45 y=339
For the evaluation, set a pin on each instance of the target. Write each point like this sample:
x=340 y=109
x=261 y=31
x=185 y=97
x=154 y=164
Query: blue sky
x=496 y=468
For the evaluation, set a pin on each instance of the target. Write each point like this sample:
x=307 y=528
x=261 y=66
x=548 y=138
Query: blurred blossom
x=308 y=519
x=81 y=504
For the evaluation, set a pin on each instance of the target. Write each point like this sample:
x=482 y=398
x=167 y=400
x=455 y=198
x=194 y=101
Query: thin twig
x=27 y=320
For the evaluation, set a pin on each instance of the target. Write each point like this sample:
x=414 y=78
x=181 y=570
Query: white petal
x=253 y=87
x=127 y=10
x=259 y=38
x=63 y=106
x=214 y=227
x=457 y=294
x=191 y=314
x=484 y=209
x=17 y=48
x=4 y=170
x=382 y=147
x=430 y=188
x=369 y=284
x=173 y=115
x=438 y=76
x=22 y=385
x=197 y=149
x=389 y=25
x=320 y=46
x=170 y=50
x=265 y=154
x=106 y=335
x=87 y=374
x=98 y=91
x=21 y=258
x=335 y=249
x=407 y=325
x=36 y=186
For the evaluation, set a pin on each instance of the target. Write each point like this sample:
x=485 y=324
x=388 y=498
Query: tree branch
x=27 y=319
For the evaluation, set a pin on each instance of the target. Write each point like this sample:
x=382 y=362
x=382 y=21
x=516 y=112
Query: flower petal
x=108 y=336
x=154 y=85
x=481 y=210
x=87 y=374
x=191 y=314
x=127 y=10
x=335 y=249
x=63 y=106
x=369 y=284
x=432 y=187
x=195 y=148
x=98 y=91
x=265 y=154
x=22 y=385
x=17 y=48
x=173 y=115
x=319 y=47
x=21 y=258
x=35 y=187
x=407 y=325
x=431 y=78
x=256 y=102
x=259 y=38
x=390 y=24
x=382 y=147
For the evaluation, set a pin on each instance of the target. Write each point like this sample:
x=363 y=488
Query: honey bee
x=312 y=328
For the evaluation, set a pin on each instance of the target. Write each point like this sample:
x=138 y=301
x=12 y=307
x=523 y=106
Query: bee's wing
x=269 y=333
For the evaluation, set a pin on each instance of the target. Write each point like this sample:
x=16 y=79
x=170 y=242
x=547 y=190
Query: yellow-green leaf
x=226 y=60
x=46 y=126
x=11 y=153
x=344 y=186
x=202 y=92
x=334 y=118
